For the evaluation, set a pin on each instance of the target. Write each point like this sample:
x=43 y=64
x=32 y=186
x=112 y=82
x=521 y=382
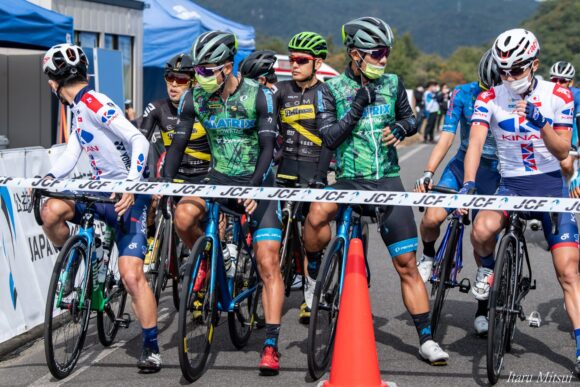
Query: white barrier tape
x=414 y=199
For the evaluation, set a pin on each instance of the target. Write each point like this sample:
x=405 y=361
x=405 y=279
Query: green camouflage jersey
x=233 y=126
x=362 y=154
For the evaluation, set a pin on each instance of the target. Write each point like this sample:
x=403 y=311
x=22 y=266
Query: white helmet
x=515 y=47
x=562 y=70
x=65 y=60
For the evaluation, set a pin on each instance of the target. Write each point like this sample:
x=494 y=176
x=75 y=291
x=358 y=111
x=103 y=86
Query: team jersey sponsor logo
x=140 y=162
x=528 y=157
x=109 y=115
x=564 y=93
x=487 y=96
x=84 y=136
x=226 y=123
x=91 y=102
x=150 y=108
x=376 y=110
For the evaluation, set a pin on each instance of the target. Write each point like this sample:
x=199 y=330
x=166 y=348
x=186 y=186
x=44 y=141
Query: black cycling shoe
x=149 y=361
x=577 y=367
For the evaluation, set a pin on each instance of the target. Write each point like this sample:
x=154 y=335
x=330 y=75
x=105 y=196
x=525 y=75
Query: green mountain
x=436 y=26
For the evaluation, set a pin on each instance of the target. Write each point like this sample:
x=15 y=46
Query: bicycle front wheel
x=499 y=308
x=197 y=311
x=68 y=308
x=241 y=321
x=109 y=320
x=324 y=314
x=156 y=265
x=443 y=274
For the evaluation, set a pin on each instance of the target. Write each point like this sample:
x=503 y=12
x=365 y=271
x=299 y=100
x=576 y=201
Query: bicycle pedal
x=533 y=286
x=535 y=321
x=125 y=321
x=465 y=285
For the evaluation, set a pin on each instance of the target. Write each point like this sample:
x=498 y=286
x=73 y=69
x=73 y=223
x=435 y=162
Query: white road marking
x=411 y=153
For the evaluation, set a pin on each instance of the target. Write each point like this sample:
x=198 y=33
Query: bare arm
x=440 y=150
x=474 y=150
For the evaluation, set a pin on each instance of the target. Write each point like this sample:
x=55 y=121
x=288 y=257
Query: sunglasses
x=515 y=71
x=560 y=80
x=379 y=53
x=301 y=60
x=207 y=71
x=180 y=79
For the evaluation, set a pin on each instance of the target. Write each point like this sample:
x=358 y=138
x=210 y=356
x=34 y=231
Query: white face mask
x=519 y=86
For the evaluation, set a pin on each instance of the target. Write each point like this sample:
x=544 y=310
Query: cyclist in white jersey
x=531 y=121
x=117 y=151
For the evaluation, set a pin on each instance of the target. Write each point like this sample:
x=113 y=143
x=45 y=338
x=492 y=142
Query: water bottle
x=108 y=238
x=230 y=253
x=102 y=267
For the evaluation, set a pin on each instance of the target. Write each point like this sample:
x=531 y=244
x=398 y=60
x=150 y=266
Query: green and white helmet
x=215 y=47
x=309 y=42
x=367 y=33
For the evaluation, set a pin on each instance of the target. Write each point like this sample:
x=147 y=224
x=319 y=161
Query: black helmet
x=180 y=63
x=488 y=72
x=65 y=61
x=258 y=64
x=216 y=47
x=367 y=33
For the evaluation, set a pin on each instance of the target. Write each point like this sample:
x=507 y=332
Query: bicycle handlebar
x=37 y=195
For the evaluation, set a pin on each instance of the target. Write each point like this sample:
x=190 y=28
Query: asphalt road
x=549 y=348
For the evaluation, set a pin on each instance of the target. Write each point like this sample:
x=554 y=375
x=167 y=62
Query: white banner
x=26 y=255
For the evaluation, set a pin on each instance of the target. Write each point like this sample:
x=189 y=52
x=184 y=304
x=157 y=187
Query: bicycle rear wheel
x=443 y=274
x=241 y=321
x=68 y=308
x=109 y=320
x=324 y=314
x=499 y=306
x=197 y=312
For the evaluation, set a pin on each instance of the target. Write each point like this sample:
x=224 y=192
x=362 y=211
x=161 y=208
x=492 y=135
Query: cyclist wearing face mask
x=365 y=114
x=240 y=118
x=259 y=66
x=531 y=121
x=305 y=159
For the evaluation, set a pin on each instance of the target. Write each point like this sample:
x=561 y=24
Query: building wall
x=102 y=18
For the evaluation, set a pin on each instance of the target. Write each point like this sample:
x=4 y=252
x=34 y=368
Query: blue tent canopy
x=23 y=24
x=170 y=27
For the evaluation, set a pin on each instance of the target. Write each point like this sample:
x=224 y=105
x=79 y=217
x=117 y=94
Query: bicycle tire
x=162 y=259
x=443 y=274
x=108 y=320
x=154 y=271
x=498 y=317
x=365 y=242
x=207 y=318
x=177 y=274
x=72 y=315
x=286 y=256
x=327 y=289
x=241 y=321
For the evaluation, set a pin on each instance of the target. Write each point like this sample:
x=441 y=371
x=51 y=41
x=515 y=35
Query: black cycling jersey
x=163 y=115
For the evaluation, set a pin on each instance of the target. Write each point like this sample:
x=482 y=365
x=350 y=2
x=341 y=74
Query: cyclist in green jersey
x=239 y=116
x=366 y=113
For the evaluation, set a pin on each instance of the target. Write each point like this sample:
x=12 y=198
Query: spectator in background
x=432 y=109
x=419 y=106
x=443 y=100
x=130 y=111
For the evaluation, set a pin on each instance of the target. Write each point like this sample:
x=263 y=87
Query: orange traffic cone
x=354 y=361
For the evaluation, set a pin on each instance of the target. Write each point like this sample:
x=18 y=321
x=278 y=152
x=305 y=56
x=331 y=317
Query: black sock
x=423 y=326
x=429 y=249
x=314 y=260
x=272 y=333
x=481 y=308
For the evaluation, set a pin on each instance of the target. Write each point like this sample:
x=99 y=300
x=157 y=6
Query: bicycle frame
x=515 y=231
x=218 y=272
x=347 y=229
x=457 y=259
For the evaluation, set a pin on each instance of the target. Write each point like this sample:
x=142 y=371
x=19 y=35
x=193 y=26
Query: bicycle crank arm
x=125 y=321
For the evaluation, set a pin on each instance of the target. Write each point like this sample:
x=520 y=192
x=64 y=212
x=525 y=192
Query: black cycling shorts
x=398 y=228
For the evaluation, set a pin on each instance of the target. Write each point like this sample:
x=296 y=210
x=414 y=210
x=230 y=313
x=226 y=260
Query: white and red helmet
x=65 y=60
x=514 y=48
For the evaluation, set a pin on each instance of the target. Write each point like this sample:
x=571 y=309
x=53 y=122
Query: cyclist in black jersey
x=305 y=159
x=259 y=66
x=163 y=115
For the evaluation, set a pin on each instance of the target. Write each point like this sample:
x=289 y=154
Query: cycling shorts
x=133 y=241
x=545 y=185
x=398 y=221
x=486 y=180
x=266 y=221
x=302 y=172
